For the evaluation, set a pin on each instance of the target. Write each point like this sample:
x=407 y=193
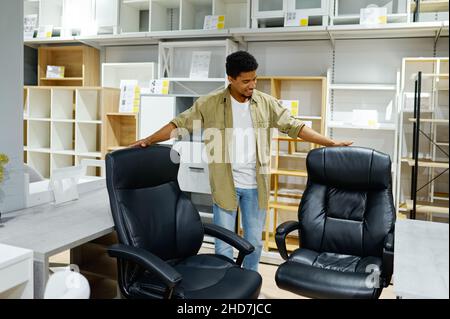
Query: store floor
x=269 y=288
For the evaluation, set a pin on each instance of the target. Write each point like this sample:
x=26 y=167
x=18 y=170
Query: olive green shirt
x=214 y=114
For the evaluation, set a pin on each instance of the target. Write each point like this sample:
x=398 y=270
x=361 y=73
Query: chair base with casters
x=160 y=233
x=346 y=226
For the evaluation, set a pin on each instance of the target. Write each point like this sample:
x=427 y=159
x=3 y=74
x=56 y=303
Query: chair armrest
x=280 y=237
x=148 y=261
x=231 y=238
x=388 y=258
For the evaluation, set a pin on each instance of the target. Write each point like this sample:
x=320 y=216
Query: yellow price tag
x=221 y=18
x=382 y=19
x=294 y=108
x=304 y=22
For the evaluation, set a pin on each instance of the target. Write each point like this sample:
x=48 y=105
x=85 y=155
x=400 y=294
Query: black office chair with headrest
x=160 y=234
x=346 y=227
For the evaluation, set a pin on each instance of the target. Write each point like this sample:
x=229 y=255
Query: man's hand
x=342 y=143
x=141 y=143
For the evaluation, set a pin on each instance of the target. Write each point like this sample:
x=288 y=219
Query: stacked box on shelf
x=288 y=158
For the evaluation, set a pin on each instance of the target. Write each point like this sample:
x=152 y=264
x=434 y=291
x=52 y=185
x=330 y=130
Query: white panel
x=165 y=15
x=236 y=12
x=40 y=162
x=39 y=101
x=62 y=136
x=129 y=18
x=38 y=134
x=87 y=138
x=376 y=60
x=122 y=54
x=306 y=58
x=155 y=112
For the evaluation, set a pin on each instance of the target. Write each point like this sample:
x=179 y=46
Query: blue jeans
x=252 y=219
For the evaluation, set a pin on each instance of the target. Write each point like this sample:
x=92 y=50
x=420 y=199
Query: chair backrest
x=66 y=284
x=148 y=208
x=347 y=206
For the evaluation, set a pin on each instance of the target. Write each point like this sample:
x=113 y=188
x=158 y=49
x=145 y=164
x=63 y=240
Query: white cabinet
x=16 y=272
x=272 y=13
x=158 y=110
x=348 y=11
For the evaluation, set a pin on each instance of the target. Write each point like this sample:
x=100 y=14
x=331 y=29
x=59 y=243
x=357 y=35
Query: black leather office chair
x=346 y=226
x=160 y=234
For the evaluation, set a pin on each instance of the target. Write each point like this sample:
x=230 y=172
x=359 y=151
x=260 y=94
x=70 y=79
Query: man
x=240 y=171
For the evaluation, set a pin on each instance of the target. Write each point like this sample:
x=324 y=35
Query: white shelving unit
x=113 y=73
x=348 y=11
x=175 y=63
x=347 y=104
x=429 y=10
x=434 y=122
x=63 y=126
x=134 y=16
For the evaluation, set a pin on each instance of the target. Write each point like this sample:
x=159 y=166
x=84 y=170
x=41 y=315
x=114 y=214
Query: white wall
x=11 y=97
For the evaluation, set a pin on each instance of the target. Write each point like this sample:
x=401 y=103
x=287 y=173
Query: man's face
x=244 y=83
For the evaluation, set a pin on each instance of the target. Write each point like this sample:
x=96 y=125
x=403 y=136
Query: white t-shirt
x=243 y=152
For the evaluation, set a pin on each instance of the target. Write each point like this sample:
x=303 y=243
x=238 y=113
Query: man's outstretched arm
x=161 y=135
x=309 y=135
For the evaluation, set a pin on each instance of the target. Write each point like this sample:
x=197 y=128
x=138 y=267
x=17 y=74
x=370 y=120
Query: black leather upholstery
x=346 y=225
x=160 y=234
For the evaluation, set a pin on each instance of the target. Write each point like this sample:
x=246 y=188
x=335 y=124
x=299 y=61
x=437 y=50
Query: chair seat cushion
x=205 y=276
x=329 y=275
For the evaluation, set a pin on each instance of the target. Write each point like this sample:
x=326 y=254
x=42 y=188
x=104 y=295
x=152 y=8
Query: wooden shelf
x=63 y=79
x=121 y=114
x=81 y=65
x=427 y=207
x=431 y=6
x=289 y=172
x=292 y=207
x=288 y=139
x=425 y=163
x=436 y=121
x=292 y=243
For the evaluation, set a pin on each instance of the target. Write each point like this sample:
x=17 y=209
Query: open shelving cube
x=38 y=134
x=81 y=65
x=38 y=103
x=62 y=137
x=165 y=15
x=236 y=12
x=121 y=130
x=40 y=162
x=134 y=15
x=268 y=13
x=61 y=161
x=88 y=139
x=193 y=13
x=176 y=62
x=113 y=73
x=62 y=107
x=87 y=106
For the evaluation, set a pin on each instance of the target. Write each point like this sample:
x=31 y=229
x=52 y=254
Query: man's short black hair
x=240 y=61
